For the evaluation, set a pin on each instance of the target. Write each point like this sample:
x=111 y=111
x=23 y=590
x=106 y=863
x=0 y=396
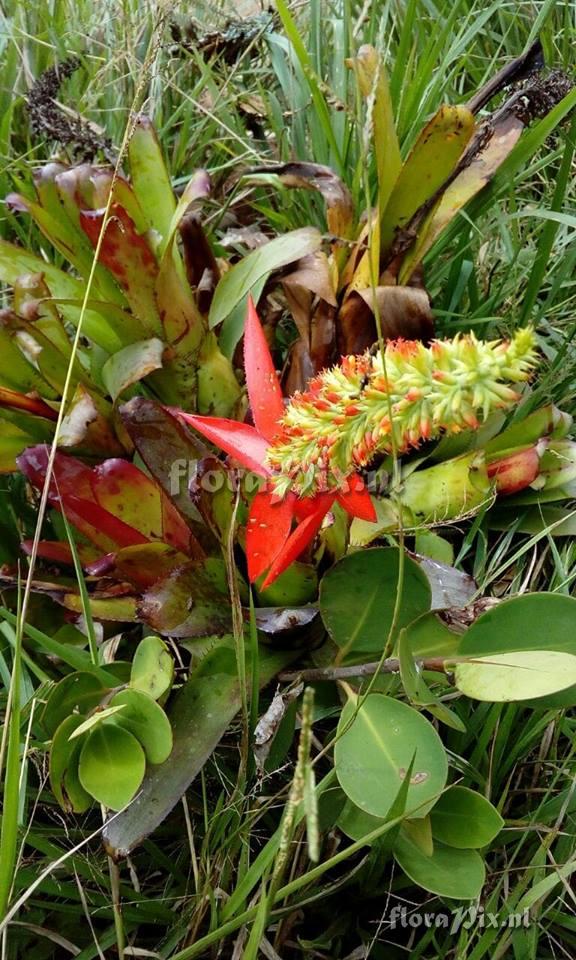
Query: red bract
x=271 y=543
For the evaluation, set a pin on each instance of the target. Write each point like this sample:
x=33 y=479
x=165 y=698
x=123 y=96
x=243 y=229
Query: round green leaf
x=152 y=667
x=77 y=693
x=537 y=621
x=375 y=751
x=449 y=872
x=64 y=757
x=293 y=588
x=430 y=544
x=516 y=676
x=358 y=598
x=465 y=819
x=112 y=765
x=146 y=721
x=355 y=823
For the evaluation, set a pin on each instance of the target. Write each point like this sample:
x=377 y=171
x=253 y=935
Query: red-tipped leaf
x=57 y=552
x=261 y=378
x=14 y=400
x=240 y=440
x=114 y=505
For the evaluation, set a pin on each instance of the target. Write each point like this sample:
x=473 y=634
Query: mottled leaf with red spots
x=142 y=565
x=190 y=602
x=113 y=505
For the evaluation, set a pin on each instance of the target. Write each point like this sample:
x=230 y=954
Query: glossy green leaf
x=13 y=442
x=420 y=833
x=544 y=422
x=364 y=532
x=152 y=667
x=149 y=176
x=428 y=636
x=143 y=718
x=356 y=823
x=431 y=544
x=465 y=819
x=17 y=372
x=449 y=872
x=182 y=322
x=521 y=675
x=218 y=389
x=242 y=277
x=358 y=597
x=414 y=685
x=296 y=586
x=64 y=234
x=112 y=765
x=64 y=758
x=375 y=749
x=15 y=261
x=447 y=491
x=77 y=693
x=118 y=609
x=535 y=621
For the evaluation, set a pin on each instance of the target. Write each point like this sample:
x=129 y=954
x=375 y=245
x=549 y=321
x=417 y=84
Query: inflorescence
x=367 y=405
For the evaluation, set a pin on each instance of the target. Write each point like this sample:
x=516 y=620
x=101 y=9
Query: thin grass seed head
x=365 y=406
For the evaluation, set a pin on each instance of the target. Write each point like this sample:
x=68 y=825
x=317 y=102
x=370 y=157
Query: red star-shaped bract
x=271 y=543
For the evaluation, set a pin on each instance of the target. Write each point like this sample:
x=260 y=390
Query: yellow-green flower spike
x=365 y=406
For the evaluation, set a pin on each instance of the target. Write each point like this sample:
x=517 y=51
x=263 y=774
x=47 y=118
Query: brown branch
x=359 y=670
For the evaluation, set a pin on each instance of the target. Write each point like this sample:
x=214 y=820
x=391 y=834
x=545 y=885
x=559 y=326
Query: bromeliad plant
x=313 y=455
x=165 y=313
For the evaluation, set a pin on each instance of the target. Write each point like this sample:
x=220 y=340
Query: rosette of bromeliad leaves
x=145 y=317
x=165 y=308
